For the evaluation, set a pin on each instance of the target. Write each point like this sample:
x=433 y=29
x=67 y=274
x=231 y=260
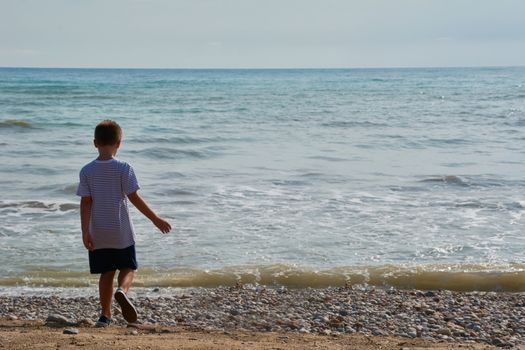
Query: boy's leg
x=125 y=277
x=105 y=290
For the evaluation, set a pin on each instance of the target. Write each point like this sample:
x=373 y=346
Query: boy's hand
x=162 y=225
x=88 y=243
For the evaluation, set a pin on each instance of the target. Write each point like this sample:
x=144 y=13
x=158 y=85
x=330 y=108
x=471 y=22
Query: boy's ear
x=95 y=143
x=117 y=145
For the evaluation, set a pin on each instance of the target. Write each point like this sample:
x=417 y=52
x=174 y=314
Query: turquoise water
x=263 y=172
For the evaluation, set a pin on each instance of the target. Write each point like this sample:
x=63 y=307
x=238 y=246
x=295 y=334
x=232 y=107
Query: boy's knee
x=107 y=274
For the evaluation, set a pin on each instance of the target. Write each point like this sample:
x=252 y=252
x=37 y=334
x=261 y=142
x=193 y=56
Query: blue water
x=310 y=169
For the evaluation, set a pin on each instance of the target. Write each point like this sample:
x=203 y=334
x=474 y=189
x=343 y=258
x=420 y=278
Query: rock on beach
x=71 y=331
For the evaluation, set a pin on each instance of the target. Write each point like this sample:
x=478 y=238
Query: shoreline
x=487 y=318
x=461 y=277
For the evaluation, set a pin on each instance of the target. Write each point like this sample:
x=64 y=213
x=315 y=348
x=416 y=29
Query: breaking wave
x=457 y=277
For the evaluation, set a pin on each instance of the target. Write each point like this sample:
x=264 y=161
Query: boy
x=107 y=230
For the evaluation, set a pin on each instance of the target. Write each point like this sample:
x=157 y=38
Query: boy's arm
x=139 y=203
x=85 y=216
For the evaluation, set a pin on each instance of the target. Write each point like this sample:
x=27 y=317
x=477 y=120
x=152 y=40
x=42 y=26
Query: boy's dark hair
x=108 y=133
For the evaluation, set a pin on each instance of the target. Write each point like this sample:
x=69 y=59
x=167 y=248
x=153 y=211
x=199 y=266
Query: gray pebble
x=378 y=332
x=444 y=331
x=430 y=294
x=71 y=331
x=56 y=318
x=412 y=332
x=234 y=312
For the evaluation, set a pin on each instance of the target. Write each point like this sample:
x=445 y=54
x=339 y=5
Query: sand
x=34 y=335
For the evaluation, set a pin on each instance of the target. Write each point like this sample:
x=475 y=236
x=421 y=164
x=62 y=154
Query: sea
x=296 y=178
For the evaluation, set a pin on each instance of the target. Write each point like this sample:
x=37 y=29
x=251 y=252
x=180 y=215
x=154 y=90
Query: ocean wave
x=44 y=89
x=480 y=204
x=183 y=140
x=449 y=141
x=457 y=277
x=15 y=123
x=178 y=192
x=175 y=193
x=58 y=188
x=69 y=189
x=50 y=206
x=174 y=174
x=448 y=180
x=353 y=124
x=472 y=181
x=328 y=158
x=184 y=202
x=68 y=125
x=175 y=153
x=287 y=183
x=519 y=122
x=312 y=174
x=172 y=82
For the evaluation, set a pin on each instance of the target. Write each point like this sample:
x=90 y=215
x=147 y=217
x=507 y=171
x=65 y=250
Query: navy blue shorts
x=109 y=259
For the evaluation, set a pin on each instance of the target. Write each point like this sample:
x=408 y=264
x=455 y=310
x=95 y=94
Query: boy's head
x=108 y=133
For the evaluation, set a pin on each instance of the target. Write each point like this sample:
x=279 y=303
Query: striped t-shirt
x=108 y=182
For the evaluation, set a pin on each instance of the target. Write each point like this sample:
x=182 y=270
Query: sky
x=261 y=33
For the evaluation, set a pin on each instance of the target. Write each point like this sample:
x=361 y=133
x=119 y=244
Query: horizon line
x=263 y=68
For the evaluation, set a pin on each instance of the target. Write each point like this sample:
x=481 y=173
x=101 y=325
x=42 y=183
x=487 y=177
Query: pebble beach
x=491 y=318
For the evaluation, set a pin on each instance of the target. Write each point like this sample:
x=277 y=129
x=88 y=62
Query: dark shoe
x=128 y=310
x=103 y=321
